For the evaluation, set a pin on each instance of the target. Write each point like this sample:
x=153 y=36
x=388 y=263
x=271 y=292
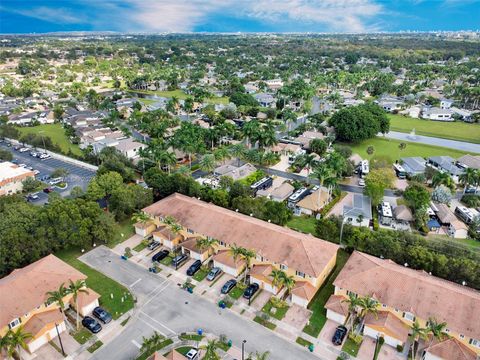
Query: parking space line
x=136 y=282
x=150 y=325
x=156 y=294
x=136 y=344
x=158 y=322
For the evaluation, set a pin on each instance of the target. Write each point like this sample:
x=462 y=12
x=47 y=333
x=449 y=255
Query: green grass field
x=54 y=132
x=305 y=224
x=447 y=130
x=101 y=284
x=179 y=94
x=389 y=148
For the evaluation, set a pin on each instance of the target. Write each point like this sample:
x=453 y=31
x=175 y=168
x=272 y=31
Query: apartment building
x=305 y=257
x=29 y=307
x=12 y=177
x=405 y=295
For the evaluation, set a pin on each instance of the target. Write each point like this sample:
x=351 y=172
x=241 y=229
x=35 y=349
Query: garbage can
x=311 y=347
x=200 y=332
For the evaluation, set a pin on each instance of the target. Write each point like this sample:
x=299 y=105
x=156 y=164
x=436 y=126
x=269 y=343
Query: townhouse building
x=308 y=259
x=404 y=296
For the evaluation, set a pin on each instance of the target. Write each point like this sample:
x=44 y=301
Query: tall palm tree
x=437 y=330
x=207 y=163
x=353 y=302
x=238 y=151
x=469 y=177
x=442 y=178
x=250 y=132
x=140 y=217
x=76 y=288
x=236 y=252
x=248 y=255
x=17 y=339
x=277 y=278
x=221 y=154
x=418 y=332
x=367 y=306
x=211 y=350
x=207 y=244
x=321 y=173
x=175 y=229
x=4 y=343
x=57 y=297
x=289 y=282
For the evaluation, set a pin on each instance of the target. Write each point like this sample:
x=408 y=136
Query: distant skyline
x=348 y=16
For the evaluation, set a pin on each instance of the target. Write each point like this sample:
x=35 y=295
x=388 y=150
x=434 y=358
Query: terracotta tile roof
x=304 y=290
x=30 y=284
x=388 y=324
x=445 y=215
x=337 y=303
x=85 y=299
x=165 y=233
x=172 y=355
x=413 y=291
x=224 y=257
x=298 y=251
x=37 y=322
x=451 y=349
x=313 y=201
x=191 y=244
x=143 y=225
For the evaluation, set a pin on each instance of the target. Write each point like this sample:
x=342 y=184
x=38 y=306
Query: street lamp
x=60 y=339
x=243 y=349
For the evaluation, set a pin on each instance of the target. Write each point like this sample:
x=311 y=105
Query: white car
x=36 y=172
x=22 y=165
x=192 y=354
x=44 y=156
x=24 y=149
x=361 y=182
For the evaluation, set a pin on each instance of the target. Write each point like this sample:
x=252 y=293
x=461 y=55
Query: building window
x=462 y=336
x=447 y=331
x=383 y=305
x=300 y=274
x=351 y=293
x=475 y=342
x=283 y=267
x=408 y=316
x=14 y=323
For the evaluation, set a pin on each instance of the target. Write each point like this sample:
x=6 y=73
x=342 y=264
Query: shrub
x=471 y=200
x=399 y=348
x=357 y=339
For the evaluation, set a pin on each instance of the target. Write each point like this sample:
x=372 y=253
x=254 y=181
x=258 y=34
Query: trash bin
x=311 y=347
x=229 y=343
x=200 y=332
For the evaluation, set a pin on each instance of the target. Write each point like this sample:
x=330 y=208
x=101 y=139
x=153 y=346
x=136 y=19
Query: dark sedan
x=102 y=314
x=194 y=268
x=340 y=333
x=91 y=324
x=162 y=254
x=250 y=291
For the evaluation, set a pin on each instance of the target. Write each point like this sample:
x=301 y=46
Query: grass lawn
x=279 y=314
x=56 y=133
x=184 y=350
x=444 y=238
x=167 y=261
x=194 y=337
x=457 y=130
x=319 y=315
x=160 y=346
x=101 y=284
x=82 y=335
x=140 y=246
x=350 y=347
x=265 y=323
x=235 y=293
x=200 y=275
x=305 y=224
x=303 y=342
x=389 y=148
x=95 y=346
x=124 y=231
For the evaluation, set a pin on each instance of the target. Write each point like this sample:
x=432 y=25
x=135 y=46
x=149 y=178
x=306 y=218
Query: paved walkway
x=428 y=140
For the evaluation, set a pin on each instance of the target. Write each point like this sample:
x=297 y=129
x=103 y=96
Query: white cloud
x=56 y=15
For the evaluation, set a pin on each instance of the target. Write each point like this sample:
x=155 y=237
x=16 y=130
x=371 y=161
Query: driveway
x=297 y=316
x=164 y=307
x=367 y=348
x=328 y=330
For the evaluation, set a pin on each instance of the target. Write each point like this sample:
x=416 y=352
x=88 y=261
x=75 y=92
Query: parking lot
x=77 y=175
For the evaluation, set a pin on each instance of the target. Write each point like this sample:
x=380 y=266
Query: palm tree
x=17 y=340
x=469 y=177
x=353 y=302
x=57 y=297
x=442 y=178
x=236 y=252
x=211 y=350
x=277 y=278
x=140 y=217
x=321 y=173
x=175 y=228
x=288 y=282
x=238 y=151
x=262 y=356
x=250 y=132
x=248 y=255
x=367 y=306
x=417 y=332
x=76 y=288
x=207 y=163
x=4 y=343
x=207 y=244
x=436 y=329
x=221 y=154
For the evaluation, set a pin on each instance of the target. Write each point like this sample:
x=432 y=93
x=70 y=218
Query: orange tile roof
x=414 y=291
x=225 y=257
x=38 y=322
x=304 y=290
x=388 y=324
x=191 y=244
x=298 y=251
x=85 y=299
x=337 y=303
x=451 y=349
x=30 y=285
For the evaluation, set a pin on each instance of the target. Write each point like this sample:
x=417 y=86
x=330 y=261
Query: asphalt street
x=428 y=140
x=77 y=175
x=164 y=307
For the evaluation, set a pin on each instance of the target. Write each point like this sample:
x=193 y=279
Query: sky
x=344 y=16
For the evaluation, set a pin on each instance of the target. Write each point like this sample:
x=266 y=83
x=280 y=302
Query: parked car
x=153 y=245
x=179 y=260
x=250 y=291
x=91 y=324
x=194 y=268
x=33 y=153
x=214 y=272
x=192 y=354
x=22 y=165
x=55 y=181
x=44 y=156
x=24 y=149
x=340 y=333
x=361 y=182
x=162 y=254
x=229 y=285
x=102 y=314
x=17 y=147
x=47 y=190
x=33 y=196
x=36 y=172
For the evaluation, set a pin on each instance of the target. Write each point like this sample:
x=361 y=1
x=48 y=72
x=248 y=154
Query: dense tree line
x=30 y=232
x=232 y=194
x=441 y=258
